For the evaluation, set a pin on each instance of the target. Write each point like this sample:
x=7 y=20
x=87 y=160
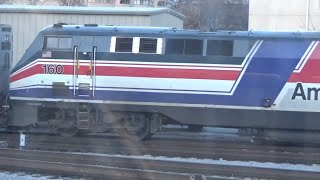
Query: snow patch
x=267 y=165
x=25 y=176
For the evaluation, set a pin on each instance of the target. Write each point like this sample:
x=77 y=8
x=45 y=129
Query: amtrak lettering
x=300 y=93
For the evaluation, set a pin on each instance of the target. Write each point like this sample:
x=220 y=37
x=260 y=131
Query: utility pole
x=307 y=14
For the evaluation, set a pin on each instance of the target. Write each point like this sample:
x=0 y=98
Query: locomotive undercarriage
x=4 y=110
x=70 y=119
x=3 y=117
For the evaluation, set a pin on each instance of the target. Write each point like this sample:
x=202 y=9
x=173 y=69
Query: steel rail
x=174 y=149
x=136 y=168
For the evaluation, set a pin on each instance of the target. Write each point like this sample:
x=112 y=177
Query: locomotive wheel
x=137 y=127
x=195 y=128
x=67 y=132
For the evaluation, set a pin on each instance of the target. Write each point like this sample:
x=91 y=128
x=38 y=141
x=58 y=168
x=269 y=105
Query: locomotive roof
x=167 y=31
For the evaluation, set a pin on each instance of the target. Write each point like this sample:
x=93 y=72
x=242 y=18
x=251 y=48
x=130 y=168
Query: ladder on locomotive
x=83 y=116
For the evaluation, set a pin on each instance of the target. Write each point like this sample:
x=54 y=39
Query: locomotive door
x=84 y=61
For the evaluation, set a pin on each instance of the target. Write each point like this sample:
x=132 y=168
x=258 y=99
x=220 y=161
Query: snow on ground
x=267 y=165
x=5 y=175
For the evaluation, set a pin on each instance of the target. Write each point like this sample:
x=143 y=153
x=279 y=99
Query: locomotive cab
x=61 y=65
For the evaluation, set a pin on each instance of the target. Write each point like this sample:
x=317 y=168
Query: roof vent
x=59 y=25
x=91 y=25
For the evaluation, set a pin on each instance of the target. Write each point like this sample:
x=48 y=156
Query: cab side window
x=57 y=43
x=220 y=47
x=184 y=46
x=229 y=48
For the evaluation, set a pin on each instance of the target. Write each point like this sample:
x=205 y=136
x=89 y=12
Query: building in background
x=27 y=21
x=105 y=3
x=206 y=15
x=150 y=3
x=284 y=14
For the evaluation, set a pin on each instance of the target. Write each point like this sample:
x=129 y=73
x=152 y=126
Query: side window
x=220 y=47
x=241 y=48
x=174 y=46
x=58 y=43
x=6 y=61
x=229 y=48
x=184 y=46
x=193 y=47
x=124 y=44
x=52 y=43
x=6 y=45
x=6 y=29
x=65 y=43
x=125 y=2
x=148 y=45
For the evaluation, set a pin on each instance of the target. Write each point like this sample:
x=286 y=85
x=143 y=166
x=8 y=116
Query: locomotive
x=92 y=78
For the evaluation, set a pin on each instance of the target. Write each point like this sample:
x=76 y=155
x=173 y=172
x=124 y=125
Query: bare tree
x=33 y=2
x=226 y=15
x=212 y=14
x=190 y=8
x=71 y=2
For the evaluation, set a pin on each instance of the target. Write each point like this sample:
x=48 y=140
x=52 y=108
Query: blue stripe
x=269 y=71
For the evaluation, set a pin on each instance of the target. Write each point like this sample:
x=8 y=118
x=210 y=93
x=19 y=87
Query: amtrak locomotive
x=92 y=78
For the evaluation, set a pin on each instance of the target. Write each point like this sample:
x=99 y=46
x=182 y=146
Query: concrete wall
x=284 y=15
x=27 y=24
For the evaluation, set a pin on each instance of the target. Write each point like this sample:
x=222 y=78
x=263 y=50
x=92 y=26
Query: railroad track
x=137 y=167
x=171 y=148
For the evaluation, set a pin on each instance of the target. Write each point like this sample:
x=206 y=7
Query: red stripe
x=139 y=72
x=311 y=71
x=168 y=73
x=37 y=69
x=172 y=65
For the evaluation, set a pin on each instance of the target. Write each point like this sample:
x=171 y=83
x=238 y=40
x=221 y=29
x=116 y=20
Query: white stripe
x=167 y=85
x=44 y=79
x=307 y=58
x=283 y=92
x=303 y=58
x=249 y=57
x=159 y=45
x=256 y=44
